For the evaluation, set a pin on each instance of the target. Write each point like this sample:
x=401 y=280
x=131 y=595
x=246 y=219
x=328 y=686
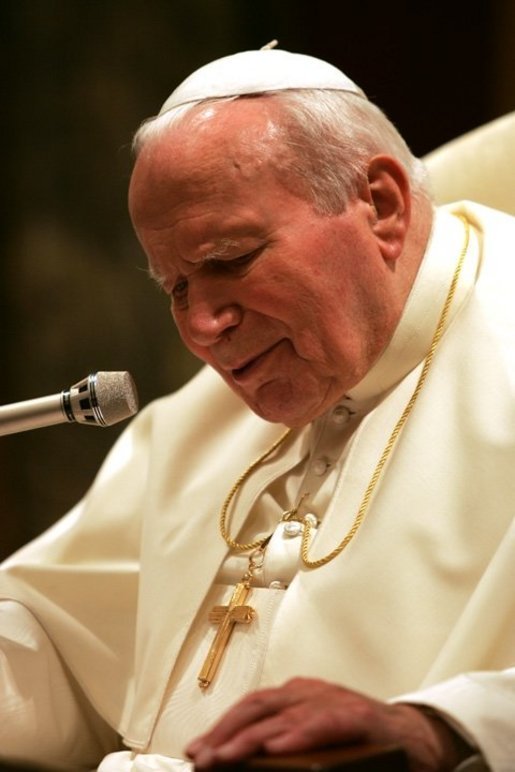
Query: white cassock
x=105 y=622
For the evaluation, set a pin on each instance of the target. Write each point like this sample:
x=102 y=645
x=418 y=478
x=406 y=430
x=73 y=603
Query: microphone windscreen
x=116 y=396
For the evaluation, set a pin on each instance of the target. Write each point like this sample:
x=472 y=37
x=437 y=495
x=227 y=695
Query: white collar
x=412 y=338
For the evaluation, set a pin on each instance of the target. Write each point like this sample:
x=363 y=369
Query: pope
x=312 y=542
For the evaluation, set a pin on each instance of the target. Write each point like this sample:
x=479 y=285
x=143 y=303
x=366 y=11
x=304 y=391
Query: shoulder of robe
x=496 y=273
x=201 y=414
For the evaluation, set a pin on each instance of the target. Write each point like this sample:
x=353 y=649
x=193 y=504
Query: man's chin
x=283 y=412
x=276 y=401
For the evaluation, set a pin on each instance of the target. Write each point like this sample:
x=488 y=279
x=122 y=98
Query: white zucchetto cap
x=255 y=72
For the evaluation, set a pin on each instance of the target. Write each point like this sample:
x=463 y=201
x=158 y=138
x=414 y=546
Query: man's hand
x=306 y=714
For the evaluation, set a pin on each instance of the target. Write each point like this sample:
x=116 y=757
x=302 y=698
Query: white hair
x=332 y=136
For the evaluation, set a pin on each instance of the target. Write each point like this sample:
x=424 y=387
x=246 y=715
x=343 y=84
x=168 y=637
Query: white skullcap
x=255 y=72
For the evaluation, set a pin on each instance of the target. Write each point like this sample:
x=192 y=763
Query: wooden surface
x=348 y=759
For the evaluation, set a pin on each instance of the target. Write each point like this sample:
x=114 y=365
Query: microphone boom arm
x=101 y=399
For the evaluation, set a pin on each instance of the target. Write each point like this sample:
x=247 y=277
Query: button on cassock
x=340 y=415
x=320 y=466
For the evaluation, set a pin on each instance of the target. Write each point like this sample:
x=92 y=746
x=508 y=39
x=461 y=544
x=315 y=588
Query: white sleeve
x=44 y=719
x=481 y=706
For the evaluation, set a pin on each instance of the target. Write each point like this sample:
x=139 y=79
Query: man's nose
x=208 y=320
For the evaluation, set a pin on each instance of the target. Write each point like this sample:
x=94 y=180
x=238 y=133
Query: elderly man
x=347 y=576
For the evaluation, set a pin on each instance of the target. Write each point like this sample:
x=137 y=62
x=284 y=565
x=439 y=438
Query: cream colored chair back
x=478 y=166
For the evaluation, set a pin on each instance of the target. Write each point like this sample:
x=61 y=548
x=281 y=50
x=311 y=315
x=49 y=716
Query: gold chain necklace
x=259 y=544
x=253 y=545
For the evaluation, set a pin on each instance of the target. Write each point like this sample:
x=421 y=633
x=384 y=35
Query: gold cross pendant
x=226 y=617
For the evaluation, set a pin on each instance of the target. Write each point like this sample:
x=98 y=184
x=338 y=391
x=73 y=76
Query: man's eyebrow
x=221 y=250
x=156 y=277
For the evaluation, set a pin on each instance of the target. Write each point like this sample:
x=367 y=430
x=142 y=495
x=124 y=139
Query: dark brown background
x=78 y=77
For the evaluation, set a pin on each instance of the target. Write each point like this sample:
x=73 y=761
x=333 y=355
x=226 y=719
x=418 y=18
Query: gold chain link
x=235 y=488
x=365 y=502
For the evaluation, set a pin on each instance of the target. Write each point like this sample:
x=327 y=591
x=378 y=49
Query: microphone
x=101 y=399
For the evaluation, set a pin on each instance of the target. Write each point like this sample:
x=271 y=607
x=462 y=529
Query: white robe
x=421 y=602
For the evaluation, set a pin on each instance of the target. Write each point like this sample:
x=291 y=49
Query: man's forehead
x=199 y=221
x=231 y=126
x=211 y=146
x=214 y=234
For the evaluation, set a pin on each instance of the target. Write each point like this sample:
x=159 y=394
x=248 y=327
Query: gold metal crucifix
x=226 y=617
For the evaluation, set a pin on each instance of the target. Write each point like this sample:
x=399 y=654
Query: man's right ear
x=389 y=194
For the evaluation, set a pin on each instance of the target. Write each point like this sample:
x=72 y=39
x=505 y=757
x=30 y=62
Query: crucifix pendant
x=226 y=617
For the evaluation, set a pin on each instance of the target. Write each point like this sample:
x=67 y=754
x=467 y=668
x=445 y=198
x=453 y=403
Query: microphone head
x=102 y=399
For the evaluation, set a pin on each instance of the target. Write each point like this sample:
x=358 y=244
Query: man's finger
x=248 y=741
x=255 y=707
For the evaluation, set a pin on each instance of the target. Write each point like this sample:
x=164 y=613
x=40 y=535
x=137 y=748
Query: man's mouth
x=247 y=369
